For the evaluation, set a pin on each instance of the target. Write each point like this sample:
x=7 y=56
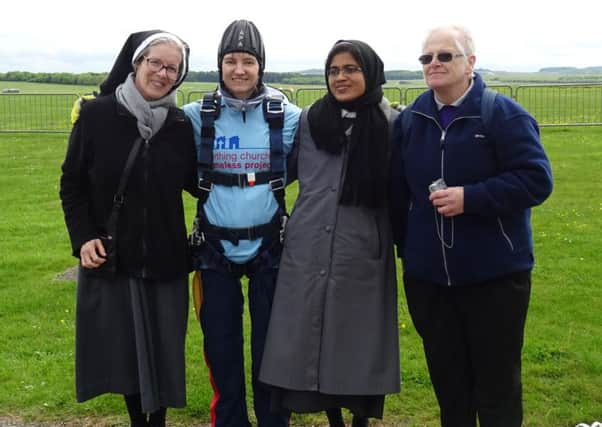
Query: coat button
x=322 y=272
x=328 y=228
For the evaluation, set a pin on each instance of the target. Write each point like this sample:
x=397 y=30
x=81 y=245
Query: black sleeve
x=75 y=188
x=398 y=189
x=190 y=184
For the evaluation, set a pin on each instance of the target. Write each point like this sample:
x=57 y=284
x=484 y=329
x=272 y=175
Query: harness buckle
x=274 y=104
x=118 y=199
x=276 y=184
x=209 y=104
x=205 y=185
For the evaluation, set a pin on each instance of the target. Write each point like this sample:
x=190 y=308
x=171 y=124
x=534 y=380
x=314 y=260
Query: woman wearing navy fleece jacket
x=466 y=247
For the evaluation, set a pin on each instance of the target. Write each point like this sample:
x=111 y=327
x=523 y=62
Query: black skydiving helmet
x=242 y=36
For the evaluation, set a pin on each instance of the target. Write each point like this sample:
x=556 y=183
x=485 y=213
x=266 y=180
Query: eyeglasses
x=347 y=70
x=427 y=58
x=155 y=65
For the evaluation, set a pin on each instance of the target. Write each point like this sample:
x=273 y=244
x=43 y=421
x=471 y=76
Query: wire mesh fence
x=551 y=105
x=562 y=105
x=36 y=112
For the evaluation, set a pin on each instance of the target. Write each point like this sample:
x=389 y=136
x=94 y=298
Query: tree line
x=94 y=79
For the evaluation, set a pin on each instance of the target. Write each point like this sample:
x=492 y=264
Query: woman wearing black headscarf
x=131 y=322
x=333 y=337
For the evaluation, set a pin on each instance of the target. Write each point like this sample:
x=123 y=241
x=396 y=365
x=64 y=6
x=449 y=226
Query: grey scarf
x=150 y=114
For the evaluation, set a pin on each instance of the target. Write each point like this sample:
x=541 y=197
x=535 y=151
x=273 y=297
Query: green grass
x=562 y=369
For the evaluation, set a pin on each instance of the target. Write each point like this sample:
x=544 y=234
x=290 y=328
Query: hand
x=92 y=254
x=448 y=202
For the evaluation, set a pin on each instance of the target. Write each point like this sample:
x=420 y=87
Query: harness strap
x=487 y=101
x=210 y=110
x=264 y=259
x=234 y=235
x=233 y=179
x=273 y=113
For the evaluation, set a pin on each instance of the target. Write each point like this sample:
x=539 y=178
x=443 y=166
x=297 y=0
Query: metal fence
x=36 y=112
x=551 y=105
x=560 y=105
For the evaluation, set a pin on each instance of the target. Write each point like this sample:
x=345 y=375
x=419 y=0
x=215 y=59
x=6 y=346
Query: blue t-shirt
x=242 y=145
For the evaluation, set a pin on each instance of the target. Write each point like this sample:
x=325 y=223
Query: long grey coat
x=333 y=327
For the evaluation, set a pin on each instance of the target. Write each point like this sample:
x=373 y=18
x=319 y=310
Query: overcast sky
x=512 y=35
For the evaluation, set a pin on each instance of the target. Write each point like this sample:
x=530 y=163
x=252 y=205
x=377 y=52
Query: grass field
x=562 y=356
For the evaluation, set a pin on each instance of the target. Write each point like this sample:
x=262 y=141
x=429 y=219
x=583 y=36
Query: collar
x=242 y=104
x=458 y=101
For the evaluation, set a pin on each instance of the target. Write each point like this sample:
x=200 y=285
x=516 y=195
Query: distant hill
x=547 y=75
x=312 y=72
x=571 y=70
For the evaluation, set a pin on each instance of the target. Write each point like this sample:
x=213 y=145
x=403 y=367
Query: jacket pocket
x=357 y=234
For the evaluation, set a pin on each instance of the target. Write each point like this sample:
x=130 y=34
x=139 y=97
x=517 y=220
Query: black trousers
x=472 y=338
x=222 y=324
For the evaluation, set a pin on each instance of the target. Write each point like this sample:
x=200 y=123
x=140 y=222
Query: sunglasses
x=427 y=58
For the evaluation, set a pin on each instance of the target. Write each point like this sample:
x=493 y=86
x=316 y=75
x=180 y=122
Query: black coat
x=151 y=231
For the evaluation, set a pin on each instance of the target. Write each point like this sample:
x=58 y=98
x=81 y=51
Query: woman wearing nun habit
x=131 y=320
x=332 y=340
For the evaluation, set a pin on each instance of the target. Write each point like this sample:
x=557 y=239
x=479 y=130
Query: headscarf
x=150 y=115
x=366 y=178
x=131 y=50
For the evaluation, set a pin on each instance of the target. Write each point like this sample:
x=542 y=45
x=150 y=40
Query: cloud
x=80 y=36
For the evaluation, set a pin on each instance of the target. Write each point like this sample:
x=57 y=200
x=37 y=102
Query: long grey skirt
x=129 y=339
